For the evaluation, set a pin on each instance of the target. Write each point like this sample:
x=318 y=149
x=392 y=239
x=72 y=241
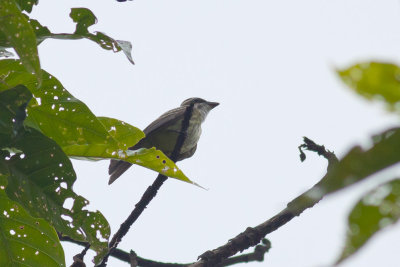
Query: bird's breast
x=165 y=139
x=192 y=137
x=192 y=134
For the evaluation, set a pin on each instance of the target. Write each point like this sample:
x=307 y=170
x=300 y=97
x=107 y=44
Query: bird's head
x=201 y=107
x=199 y=103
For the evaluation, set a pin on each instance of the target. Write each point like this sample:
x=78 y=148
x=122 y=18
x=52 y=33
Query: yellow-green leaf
x=374 y=80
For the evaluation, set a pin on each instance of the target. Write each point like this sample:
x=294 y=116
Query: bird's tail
x=116 y=169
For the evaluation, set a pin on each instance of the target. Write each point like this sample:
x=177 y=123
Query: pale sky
x=271 y=66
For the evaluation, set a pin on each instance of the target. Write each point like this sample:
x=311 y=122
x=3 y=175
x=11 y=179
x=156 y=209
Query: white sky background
x=271 y=66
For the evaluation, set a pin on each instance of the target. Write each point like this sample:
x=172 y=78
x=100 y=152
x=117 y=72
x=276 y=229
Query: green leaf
x=84 y=18
x=41 y=32
x=41 y=180
x=69 y=122
x=24 y=240
x=374 y=212
x=13 y=103
x=41 y=177
x=374 y=80
x=17 y=33
x=27 y=5
x=122 y=132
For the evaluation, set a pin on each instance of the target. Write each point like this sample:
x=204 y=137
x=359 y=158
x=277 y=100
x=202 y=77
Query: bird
x=163 y=133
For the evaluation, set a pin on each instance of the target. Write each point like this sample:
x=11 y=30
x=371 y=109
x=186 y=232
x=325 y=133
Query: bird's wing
x=118 y=167
x=165 y=120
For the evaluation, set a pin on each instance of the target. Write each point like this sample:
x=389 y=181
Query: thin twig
x=257 y=255
x=78 y=258
x=151 y=191
x=312 y=146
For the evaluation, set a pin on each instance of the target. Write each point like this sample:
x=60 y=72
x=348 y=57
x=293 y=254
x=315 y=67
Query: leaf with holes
x=24 y=240
x=374 y=212
x=24 y=33
x=68 y=121
x=85 y=18
x=40 y=177
x=122 y=132
x=41 y=32
x=374 y=80
x=41 y=180
x=16 y=32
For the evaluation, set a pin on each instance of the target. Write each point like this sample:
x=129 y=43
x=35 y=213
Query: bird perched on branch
x=163 y=133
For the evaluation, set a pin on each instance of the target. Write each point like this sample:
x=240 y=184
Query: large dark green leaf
x=40 y=176
x=41 y=180
x=374 y=212
x=24 y=240
x=77 y=130
x=374 y=80
x=16 y=32
x=13 y=103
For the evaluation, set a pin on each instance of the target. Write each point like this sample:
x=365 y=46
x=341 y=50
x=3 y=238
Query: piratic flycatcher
x=163 y=133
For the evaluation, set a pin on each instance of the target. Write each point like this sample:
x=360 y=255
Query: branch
x=151 y=191
x=126 y=256
x=78 y=258
x=312 y=146
x=257 y=255
x=253 y=235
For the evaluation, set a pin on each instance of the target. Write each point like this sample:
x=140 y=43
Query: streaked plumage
x=164 y=131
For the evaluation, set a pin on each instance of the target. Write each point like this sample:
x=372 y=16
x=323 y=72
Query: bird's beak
x=212 y=104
